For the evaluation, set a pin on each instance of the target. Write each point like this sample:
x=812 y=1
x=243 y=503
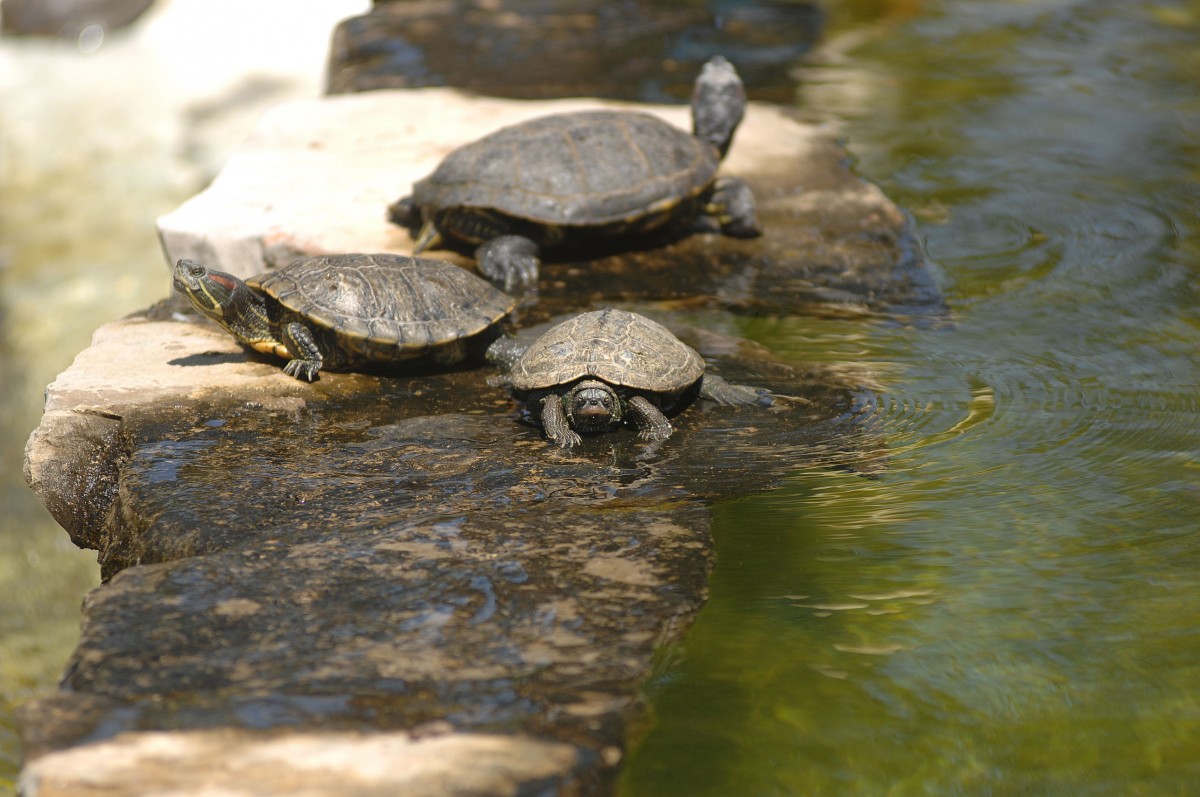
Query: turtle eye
x=196 y=270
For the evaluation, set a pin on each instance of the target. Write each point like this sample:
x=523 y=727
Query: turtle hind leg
x=511 y=259
x=504 y=351
x=449 y=354
x=714 y=388
x=648 y=419
x=555 y=423
x=306 y=356
x=733 y=207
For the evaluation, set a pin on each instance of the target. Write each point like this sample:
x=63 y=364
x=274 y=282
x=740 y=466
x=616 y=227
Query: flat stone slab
x=317 y=176
x=379 y=555
x=349 y=764
x=396 y=559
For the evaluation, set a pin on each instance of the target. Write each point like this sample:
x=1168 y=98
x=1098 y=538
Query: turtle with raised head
x=352 y=310
x=557 y=179
x=599 y=370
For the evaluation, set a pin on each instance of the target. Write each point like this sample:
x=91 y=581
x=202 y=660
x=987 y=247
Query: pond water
x=1011 y=608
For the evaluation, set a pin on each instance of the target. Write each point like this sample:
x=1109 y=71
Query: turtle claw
x=655 y=434
x=651 y=424
x=733 y=207
x=554 y=422
x=302 y=369
x=567 y=440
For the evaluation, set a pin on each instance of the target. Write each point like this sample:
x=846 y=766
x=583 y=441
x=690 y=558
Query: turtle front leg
x=555 y=423
x=306 y=357
x=732 y=204
x=512 y=259
x=714 y=388
x=648 y=419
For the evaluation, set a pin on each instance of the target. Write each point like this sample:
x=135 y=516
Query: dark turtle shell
x=616 y=346
x=590 y=168
x=386 y=306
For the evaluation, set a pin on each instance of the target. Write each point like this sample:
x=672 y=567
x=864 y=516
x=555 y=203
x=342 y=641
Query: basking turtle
x=598 y=370
x=556 y=179
x=344 y=311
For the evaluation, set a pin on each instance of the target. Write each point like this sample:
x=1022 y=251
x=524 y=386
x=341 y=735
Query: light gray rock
x=241 y=764
x=131 y=367
x=317 y=176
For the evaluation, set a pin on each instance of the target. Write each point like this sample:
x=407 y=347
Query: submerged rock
x=68 y=19
x=646 y=51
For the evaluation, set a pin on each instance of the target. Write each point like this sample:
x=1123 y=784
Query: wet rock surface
x=392 y=553
x=397 y=558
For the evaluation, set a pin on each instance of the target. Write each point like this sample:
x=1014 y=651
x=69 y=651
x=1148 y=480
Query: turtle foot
x=511 y=260
x=651 y=424
x=734 y=208
x=566 y=439
x=302 y=369
x=656 y=434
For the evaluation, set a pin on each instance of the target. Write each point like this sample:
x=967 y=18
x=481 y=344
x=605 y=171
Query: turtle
x=596 y=371
x=556 y=180
x=351 y=310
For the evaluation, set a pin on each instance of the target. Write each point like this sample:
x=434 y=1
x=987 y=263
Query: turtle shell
x=616 y=346
x=382 y=302
x=589 y=168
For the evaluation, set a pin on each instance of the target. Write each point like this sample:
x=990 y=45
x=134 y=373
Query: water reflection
x=1011 y=609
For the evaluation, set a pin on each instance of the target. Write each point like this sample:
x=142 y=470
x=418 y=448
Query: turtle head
x=404 y=212
x=592 y=406
x=210 y=292
x=718 y=102
x=225 y=299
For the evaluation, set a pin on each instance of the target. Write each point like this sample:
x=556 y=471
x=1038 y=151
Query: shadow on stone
x=208 y=358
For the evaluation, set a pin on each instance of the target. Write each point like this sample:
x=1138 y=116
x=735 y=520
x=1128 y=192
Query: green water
x=1013 y=608
x=80 y=187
